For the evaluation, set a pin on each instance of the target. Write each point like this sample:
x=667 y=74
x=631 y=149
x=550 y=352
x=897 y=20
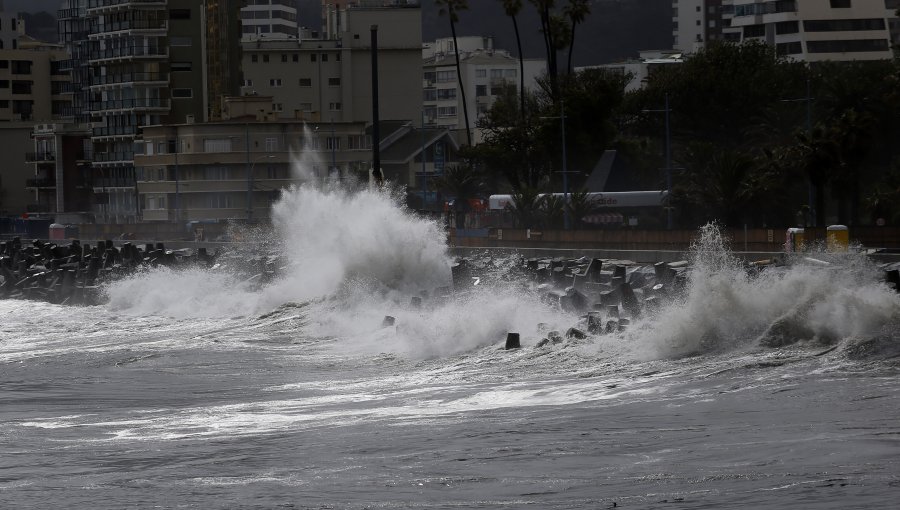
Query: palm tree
x=525 y=204
x=553 y=207
x=580 y=205
x=463 y=182
x=548 y=25
x=576 y=11
x=451 y=8
x=512 y=8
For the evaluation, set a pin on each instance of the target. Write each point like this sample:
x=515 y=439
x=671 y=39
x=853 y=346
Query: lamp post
x=668 y=168
x=565 y=168
x=250 y=184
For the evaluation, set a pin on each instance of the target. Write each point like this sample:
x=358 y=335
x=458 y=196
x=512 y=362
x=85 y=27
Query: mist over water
x=218 y=388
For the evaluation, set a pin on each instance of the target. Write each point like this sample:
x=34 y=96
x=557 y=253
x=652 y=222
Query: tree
x=451 y=8
x=525 y=205
x=553 y=207
x=576 y=11
x=580 y=205
x=546 y=15
x=512 y=9
x=463 y=182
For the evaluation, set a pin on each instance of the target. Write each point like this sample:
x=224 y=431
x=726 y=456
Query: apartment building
x=329 y=79
x=275 y=19
x=137 y=64
x=485 y=72
x=641 y=68
x=61 y=183
x=805 y=30
x=32 y=89
x=695 y=22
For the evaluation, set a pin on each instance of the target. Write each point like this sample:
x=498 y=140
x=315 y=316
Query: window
x=847 y=46
x=271 y=144
x=179 y=14
x=447 y=111
x=754 y=31
x=284 y=58
x=334 y=82
x=446 y=94
x=266 y=59
x=248 y=83
x=496 y=73
x=791 y=48
x=181 y=41
x=305 y=82
x=324 y=57
x=333 y=143
x=480 y=90
x=445 y=76
x=155 y=202
x=217 y=145
x=335 y=107
x=509 y=73
x=275 y=82
x=4 y=84
x=181 y=66
x=840 y=4
x=481 y=73
x=277 y=107
x=787 y=27
x=295 y=57
x=220 y=201
x=254 y=58
x=843 y=25
x=337 y=57
x=429 y=95
x=305 y=107
x=182 y=93
x=215 y=173
x=312 y=57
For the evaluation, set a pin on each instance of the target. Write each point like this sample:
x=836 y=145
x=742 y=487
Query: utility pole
x=376 y=133
x=668 y=155
x=565 y=167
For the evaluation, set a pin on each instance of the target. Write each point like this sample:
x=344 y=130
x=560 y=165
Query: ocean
x=202 y=388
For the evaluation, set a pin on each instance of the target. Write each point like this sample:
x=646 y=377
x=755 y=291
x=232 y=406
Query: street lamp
x=565 y=170
x=250 y=184
x=668 y=161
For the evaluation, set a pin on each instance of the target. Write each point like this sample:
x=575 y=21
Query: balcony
x=43 y=182
x=66 y=14
x=112 y=182
x=128 y=25
x=129 y=104
x=118 y=79
x=113 y=131
x=108 y=157
x=39 y=157
x=126 y=52
x=114 y=4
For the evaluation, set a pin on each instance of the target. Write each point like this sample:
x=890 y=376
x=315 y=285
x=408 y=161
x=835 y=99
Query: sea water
x=199 y=389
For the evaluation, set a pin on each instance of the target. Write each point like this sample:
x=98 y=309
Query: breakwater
x=73 y=273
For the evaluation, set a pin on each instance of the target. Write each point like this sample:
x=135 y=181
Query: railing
x=117 y=26
x=105 y=157
x=63 y=14
x=122 y=104
x=110 y=79
x=114 y=131
x=44 y=182
x=113 y=182
x=97 y=4
x=128 y=51
x=34 y=157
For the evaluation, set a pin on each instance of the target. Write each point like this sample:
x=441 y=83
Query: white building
x=818 y=30
x=276 y=19
x=695 y=22
x=485 y=73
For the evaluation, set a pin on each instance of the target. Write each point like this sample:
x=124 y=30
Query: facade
x=61 y=182
x=137 y=64
x=485 y=71
x=695 y=22
x=276 y=19
x=11 y=29
x=329 y=80
x=804 y=30
x=236 y=168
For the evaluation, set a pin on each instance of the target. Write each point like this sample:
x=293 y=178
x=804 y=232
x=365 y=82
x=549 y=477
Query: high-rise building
x=269 y=19
x=804 y=30
x=329 y=79
x=137 y=64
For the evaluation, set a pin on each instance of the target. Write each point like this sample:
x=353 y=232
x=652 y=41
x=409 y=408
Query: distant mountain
x=615 y=30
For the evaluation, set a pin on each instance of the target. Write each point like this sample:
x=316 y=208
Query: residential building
x=237 y=167
x=137 y=64
x=486 y=73
x=329 y=79
x=11 y=29
x=819 y=30
x=695 y=22
x=275 y=19
x=32 y=89
x=61 y=184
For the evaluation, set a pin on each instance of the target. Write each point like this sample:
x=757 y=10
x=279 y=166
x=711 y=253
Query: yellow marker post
x=838 y=238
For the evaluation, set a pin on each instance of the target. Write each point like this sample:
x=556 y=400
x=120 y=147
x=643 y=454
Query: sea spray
x=724 y=307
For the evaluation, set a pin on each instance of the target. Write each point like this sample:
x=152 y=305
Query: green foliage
x=580 y=205
x=462 y=181
x=526 y=205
